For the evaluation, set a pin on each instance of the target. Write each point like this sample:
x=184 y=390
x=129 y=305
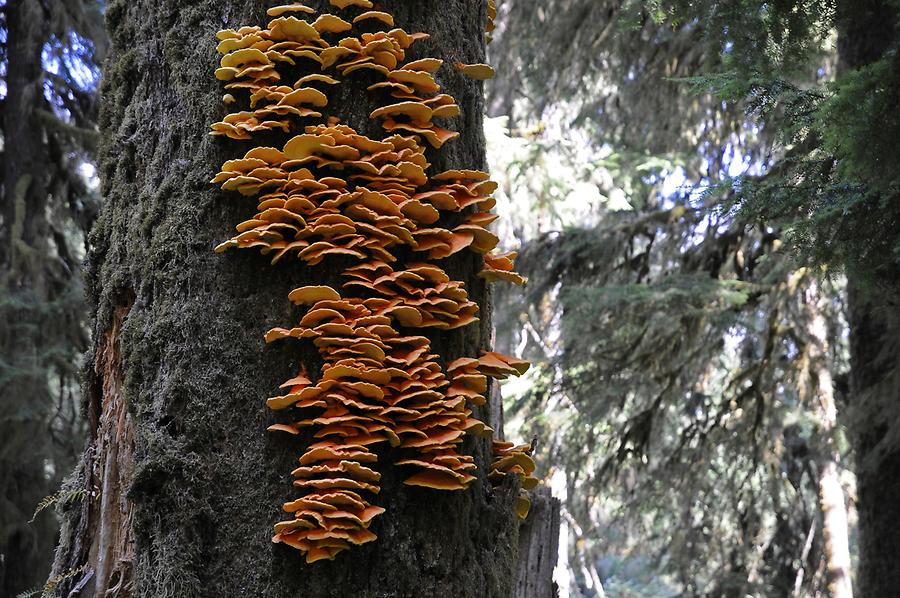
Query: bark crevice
x=111 y=553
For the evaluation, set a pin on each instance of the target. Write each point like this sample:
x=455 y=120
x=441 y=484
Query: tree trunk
x=834 y=524
x=26 y=290
x=186 y=482
x=831 y=493
x=866 y=30
x=539 y=548
x=875 y=396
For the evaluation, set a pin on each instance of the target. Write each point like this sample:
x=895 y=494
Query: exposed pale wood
x=111 y=555
x=538 y=547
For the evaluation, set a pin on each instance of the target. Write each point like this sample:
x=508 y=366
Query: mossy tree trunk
x=867 y=29
x=186 y=484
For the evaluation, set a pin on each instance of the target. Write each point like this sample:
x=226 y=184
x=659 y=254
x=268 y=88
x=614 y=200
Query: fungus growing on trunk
x=384 y=17
x=277 y=11
x=491 y=15
x=514 y=460
x=332 y=191
x=346 y=3
x=500 y=267
x=479 y=72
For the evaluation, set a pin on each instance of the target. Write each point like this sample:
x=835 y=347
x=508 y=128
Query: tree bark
x=187 y=483
x=866 y=29
x=539 y=548
x=875 y=396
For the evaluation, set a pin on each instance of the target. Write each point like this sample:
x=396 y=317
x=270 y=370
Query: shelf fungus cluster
x=330 y=192
x=514 y=460
x=491 y=15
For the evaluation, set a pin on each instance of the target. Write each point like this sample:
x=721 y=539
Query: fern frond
x=62 y=497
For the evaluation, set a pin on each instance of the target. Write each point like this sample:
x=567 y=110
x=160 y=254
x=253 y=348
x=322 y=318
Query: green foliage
x=53 y=583
x=835 y=189
x=612 y=69
x=826 y=220
x=589 y=66
x=660 y=389
x=860 y=125
x=759 y=37
x=63 y=497
x=835 y=186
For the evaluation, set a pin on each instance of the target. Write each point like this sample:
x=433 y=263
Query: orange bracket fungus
x=479 y=72
x=491 y=15
x=327 y=190
x=514 y=460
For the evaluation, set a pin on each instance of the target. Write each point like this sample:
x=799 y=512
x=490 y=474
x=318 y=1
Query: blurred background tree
x=50 y=53
x=694 y=180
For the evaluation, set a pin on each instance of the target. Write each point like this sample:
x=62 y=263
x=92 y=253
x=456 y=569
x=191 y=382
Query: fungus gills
x=331 y=191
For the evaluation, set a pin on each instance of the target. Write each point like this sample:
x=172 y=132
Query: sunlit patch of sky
x=67 y=59
x=3 y=37
x=69 y=56
x=89 y=172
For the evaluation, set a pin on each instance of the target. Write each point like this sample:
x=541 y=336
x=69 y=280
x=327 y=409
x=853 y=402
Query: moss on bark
x=208 y=481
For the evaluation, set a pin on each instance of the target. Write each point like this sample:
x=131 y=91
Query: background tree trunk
x=866 y=31
x=26 y=288
x=831 y=494
x=875 y=395
x=186 y=483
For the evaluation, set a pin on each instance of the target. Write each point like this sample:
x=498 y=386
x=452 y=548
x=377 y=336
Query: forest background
x=703 y=198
